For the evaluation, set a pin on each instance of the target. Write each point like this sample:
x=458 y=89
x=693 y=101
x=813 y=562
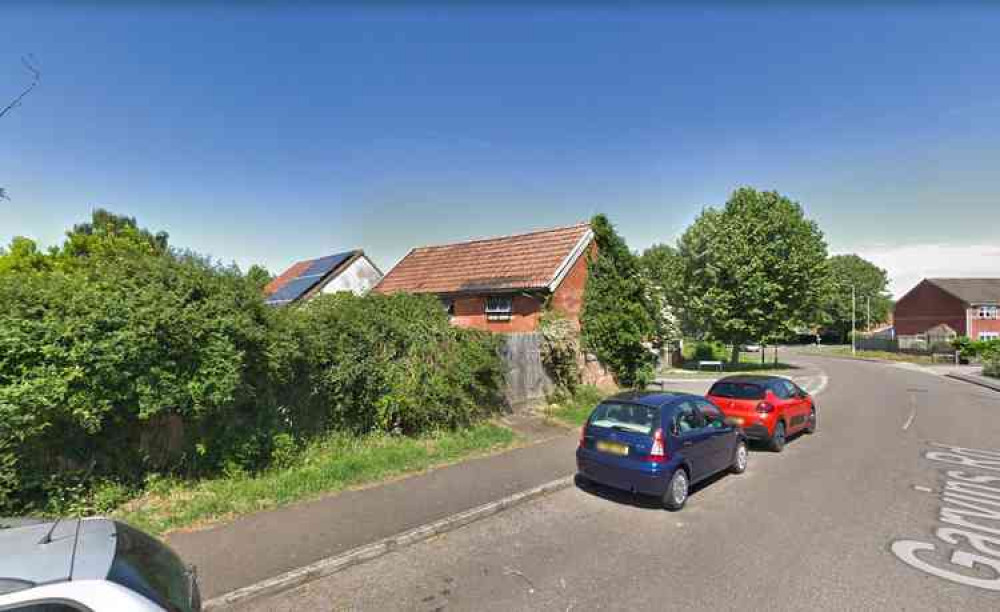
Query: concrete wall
x=359 y=277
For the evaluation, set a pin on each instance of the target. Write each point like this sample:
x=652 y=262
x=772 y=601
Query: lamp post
x=854 y=305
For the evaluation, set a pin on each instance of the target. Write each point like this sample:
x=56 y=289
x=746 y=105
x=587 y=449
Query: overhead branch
x=36 y=76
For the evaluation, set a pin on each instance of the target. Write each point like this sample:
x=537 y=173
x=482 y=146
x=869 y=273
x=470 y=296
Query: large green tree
x=871 y=286
x=618 y=314
x=660 y=266
x=752 y=271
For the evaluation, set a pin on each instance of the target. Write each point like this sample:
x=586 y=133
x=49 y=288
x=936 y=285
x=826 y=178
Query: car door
x=793 y=405
x=693 y=439
x=722 y=438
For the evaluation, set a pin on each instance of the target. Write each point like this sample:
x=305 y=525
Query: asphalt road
x=811 y=528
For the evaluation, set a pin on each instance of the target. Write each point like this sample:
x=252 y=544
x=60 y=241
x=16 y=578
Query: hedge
x=121 y=357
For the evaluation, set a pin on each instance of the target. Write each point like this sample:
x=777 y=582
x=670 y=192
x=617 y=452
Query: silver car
x=93 y=564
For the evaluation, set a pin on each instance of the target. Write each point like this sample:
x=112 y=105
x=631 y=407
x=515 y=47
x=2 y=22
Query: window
x=989 y=312
x=737 y=390
x=499 y=308
x=628 y=417
x=152 y=570
x=989 y=335
x=713 y=416
x=784 y=389
x=688 y=419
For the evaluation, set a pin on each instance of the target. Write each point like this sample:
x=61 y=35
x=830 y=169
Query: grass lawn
x=749 y=362
x=333 y=464
x=845 y=351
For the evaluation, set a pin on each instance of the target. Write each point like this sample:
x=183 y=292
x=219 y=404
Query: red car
x=768 y=408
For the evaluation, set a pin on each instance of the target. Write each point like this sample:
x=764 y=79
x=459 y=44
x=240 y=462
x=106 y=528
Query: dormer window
x=499 y=308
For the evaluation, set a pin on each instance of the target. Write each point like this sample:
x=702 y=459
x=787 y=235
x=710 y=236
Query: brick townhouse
x=970 y=306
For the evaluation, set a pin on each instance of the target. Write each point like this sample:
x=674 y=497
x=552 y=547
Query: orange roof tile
x=524 y=261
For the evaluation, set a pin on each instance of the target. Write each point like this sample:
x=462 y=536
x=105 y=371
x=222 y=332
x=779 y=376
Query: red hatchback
x=768 y=408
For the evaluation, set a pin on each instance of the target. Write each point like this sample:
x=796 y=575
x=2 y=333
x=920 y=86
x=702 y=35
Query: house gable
x=926 y=306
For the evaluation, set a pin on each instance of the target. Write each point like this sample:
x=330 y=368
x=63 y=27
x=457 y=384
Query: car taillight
x=765 y=408
x=657 y=454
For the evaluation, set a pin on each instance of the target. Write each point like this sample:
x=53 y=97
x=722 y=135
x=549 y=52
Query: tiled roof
x=971 y=290
x=524 y=261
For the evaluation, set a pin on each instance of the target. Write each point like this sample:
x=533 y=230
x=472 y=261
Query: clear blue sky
x=265 y=135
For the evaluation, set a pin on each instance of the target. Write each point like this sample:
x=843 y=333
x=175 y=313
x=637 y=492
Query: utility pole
x=854 y=307
x=868 y=306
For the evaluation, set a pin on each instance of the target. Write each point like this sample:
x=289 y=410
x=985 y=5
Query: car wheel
x=811 y=427
x=778 y=439
x=740 y=461
x=677 y=491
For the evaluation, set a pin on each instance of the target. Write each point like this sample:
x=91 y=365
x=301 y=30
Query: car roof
x=653 y=399
x=79 y=549
x=756 y=379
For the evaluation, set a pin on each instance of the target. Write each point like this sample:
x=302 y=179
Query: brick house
x=350 y=271
x=501 y=284
x=969 y=306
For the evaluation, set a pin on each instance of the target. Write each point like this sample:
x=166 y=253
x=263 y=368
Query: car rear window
x=737 y=390
x=149 y=568
x=627 y=417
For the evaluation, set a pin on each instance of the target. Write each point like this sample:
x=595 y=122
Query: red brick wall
x=926 y=306
x=471 y=312
x=568 y=297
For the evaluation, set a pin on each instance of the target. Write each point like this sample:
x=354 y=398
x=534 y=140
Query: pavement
x=825 y=525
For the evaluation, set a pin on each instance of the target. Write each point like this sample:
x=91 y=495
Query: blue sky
x=266 y=135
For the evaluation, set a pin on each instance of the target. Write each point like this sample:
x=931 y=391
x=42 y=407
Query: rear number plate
x=612 y=448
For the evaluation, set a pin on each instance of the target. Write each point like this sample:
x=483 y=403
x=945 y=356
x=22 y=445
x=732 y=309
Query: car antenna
x=47 y=538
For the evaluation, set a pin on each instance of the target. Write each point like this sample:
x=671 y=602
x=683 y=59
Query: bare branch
x=36 y=76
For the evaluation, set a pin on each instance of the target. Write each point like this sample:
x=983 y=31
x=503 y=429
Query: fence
x=526 y=383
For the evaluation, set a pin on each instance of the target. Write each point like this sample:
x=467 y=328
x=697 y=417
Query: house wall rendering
x=358 y=278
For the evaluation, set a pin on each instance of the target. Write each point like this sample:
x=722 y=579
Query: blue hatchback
x=658 y=443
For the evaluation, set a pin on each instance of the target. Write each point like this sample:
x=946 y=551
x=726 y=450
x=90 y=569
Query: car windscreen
x=737 y=390
x=149 y=568
x=626 y=417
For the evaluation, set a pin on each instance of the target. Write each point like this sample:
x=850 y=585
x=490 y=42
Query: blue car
x=658 y=443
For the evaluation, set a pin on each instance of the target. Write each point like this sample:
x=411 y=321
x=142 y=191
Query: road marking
x=824 y=380
x=923 y=489
x=909 y=421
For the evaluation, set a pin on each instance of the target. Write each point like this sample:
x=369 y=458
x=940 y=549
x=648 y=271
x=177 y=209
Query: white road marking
x=909 y=421
x=824 y=380
x=923 y=489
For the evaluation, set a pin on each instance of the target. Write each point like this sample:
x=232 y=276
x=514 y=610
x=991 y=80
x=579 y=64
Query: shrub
x=560 y=350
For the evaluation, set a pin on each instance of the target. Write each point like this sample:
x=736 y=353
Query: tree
x=660 y=268
x=107 y=233
x=617 y=315
x=752 y=271
x=871 y=284
x=28 y=63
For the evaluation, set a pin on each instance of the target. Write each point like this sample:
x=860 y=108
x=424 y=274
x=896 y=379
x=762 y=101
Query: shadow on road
x=637 y=500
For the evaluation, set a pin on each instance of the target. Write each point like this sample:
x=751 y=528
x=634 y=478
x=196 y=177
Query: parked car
x=94 y=564
x=768 y=408
x=658 y=443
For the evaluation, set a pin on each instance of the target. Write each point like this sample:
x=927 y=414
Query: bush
x=121 y=358
x=560 y=350
x=709 y=351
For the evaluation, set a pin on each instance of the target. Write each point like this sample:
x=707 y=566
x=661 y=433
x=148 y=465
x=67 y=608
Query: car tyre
x=778 y=438
x=811 y=427
x=677 y=491
x=740 y=458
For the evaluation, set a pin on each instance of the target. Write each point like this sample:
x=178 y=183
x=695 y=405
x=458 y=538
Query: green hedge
x=121 y=358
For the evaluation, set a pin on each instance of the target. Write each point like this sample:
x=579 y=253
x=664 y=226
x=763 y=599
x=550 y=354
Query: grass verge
x=329 y=465
x=574 y=409
x=845 y=351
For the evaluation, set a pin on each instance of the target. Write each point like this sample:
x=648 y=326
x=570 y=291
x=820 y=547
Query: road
x=810 y=528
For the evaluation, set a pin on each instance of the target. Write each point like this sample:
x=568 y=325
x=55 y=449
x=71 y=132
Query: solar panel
x=324 y=265
x=292 y=290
